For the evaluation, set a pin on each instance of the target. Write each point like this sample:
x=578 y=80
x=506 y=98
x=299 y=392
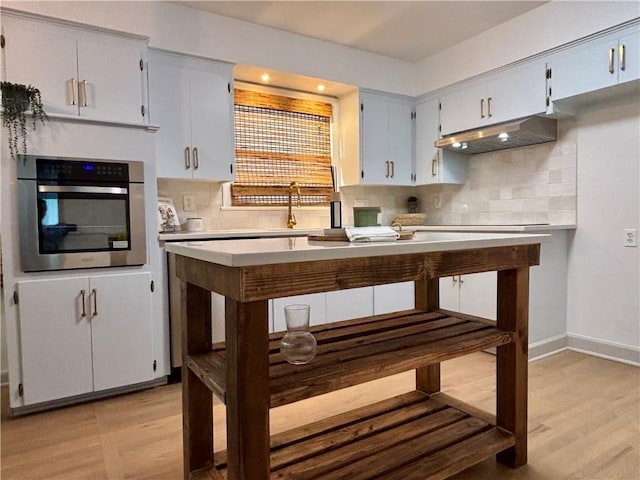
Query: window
x=280 y=140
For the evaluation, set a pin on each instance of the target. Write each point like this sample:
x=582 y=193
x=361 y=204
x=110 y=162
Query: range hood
x=514 y=134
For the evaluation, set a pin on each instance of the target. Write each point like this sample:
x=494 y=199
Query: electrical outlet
x=189 y=202
x=630 y=237
x=437 y=202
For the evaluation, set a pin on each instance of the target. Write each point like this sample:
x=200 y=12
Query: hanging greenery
x=16 y=100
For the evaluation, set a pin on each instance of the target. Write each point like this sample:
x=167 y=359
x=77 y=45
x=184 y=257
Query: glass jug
x=298 y=346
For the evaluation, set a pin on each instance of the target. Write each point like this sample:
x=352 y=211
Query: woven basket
x=409 y=219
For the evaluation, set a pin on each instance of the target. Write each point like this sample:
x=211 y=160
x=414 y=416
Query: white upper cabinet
x=94 y=75
x=434 y=165
x=192 y=102
x=386 y=140
x=376 y=139
x=596 y=64
x=629 y=57
x=516 y=92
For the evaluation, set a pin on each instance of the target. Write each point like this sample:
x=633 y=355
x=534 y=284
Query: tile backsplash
x=209 y=205
x=535 y=184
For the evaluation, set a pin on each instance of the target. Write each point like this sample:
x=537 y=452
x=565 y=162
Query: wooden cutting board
x=343 y=238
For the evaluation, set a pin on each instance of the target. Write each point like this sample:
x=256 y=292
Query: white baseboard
x=547 y=347
x=601 y=348
x=590 y=346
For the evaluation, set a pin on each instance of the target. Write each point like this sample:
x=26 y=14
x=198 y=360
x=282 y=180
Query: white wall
x=553 y=24
x=604 y=276
x=182 y=29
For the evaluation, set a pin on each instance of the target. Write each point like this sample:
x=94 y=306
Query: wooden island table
x=418 y=435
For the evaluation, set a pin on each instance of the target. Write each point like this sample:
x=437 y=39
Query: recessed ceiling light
x=321 y=88
x=265 y=77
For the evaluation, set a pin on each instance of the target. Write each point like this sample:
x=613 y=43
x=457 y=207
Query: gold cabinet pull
x=74 y=89
x=489 y=107
x=95 y=302
x=187 y=158
x=84 y=303
x=196 y=161
x=623 y=62
x=85 y=101
x=611 y=53
x=434 y=162
x=393 y=168
x=482 y=108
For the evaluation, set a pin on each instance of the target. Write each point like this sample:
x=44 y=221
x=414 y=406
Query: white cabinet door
x=629 y=64
x=400 y=143
x=463 y=109
x=434 y=165
x=110 y=66
x=473 y=294
x=450 y=293
x=192 y=102
x=393 y=297
x=212 y=125
x=584 y=69
x=374 y=139
x=348 y=304
x=39 y=54
x=317 y=313
x=386 y=140
x=513 y=93
x=517 y=92
x=478 y=294
x=55 y=339
x=121 y=329
x=170 y=108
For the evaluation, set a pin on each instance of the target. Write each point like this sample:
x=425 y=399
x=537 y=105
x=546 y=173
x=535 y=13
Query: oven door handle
x=81 y=189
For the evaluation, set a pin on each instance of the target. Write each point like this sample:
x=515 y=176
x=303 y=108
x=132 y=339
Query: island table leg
x=247 y=386
x=511 y=362
x=197 y=402
x=427 y=298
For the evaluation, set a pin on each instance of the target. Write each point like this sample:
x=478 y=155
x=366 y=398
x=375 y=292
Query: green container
x=366 y=216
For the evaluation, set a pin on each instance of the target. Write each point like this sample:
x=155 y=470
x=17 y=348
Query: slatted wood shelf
x=360 y=350
x=411 y=436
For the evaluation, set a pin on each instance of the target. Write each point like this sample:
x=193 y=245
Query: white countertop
x=262 y=251
x=301 y=232
x=237 y=233
x=542 y=227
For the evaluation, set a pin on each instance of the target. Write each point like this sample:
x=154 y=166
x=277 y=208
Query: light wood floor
x=584 y=423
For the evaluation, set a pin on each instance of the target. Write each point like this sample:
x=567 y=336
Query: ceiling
x=405 y=30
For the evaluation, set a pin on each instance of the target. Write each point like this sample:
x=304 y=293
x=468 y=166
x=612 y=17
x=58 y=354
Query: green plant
x=16 y=100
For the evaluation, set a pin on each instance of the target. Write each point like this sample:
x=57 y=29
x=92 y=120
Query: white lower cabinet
x=348 y=304
x=84 y=334
x=473 y=294
x=393 y=297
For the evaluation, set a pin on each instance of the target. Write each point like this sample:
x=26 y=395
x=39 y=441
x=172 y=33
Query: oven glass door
x=83 y=218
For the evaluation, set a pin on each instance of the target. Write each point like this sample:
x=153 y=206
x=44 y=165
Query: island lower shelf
x=360 y=350
x=411 y=436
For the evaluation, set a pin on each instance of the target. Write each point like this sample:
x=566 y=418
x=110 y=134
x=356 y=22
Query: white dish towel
x=371 y=234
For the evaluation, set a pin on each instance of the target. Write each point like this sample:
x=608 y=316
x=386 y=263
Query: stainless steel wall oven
x=80 y=213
